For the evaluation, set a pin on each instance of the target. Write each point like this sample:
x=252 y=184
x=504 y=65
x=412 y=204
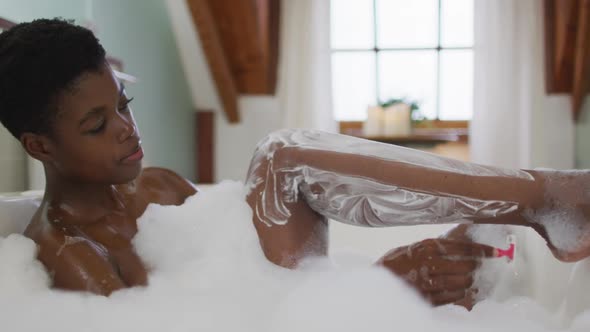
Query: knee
x=275 y=141
x=276 y=147
x=274 y=176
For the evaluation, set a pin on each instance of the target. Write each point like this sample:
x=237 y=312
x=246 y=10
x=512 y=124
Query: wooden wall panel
x=565 y=39
x=240 y=39
x=249 y=32
x=567 y=49
x=205 y=138
x=237 y=22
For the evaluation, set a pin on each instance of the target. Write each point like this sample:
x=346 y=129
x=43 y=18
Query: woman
x=62 y=101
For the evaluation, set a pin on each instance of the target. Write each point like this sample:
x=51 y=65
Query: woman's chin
x=130 y=173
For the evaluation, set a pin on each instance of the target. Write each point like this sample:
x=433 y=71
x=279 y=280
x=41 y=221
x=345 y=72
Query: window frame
x=354 y=126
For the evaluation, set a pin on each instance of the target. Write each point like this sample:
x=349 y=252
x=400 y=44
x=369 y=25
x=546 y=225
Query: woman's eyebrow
x=95 y=111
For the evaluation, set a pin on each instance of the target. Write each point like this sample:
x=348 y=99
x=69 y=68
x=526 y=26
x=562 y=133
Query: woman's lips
x=134 y=157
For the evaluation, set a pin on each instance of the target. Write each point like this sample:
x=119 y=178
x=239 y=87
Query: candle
x=396 y=120
x=405 y=121
x=373 y=126
x=390 y=122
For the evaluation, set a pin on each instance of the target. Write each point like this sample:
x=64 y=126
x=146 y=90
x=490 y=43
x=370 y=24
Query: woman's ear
x=37 y=146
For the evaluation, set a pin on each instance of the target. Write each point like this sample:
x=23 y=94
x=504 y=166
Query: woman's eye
x=97 y=129
x=125 y=106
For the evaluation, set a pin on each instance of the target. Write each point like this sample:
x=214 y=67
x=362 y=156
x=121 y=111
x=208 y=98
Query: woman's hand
x=440 y=269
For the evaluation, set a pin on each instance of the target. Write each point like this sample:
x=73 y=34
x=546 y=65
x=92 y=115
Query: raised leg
x=371 y=184
x=304 y=234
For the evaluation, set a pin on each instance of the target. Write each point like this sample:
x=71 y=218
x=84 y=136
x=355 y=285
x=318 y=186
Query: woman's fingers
x=452 y=249
x=444 y=266
x=463 y=296
x=469 y=300
x=472 y=250
x=446 y=297
x=447 y=283
x=464 y=249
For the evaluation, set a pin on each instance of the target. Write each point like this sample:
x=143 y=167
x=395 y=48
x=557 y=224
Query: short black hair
x=39 y=60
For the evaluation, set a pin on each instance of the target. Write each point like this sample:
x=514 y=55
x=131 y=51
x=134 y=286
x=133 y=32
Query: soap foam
x=208 y=273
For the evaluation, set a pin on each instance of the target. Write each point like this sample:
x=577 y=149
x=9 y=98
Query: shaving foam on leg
x=281 y=173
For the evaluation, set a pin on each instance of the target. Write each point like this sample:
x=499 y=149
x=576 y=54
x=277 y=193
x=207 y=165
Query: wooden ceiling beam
x=566 y=22
x=567 y=49
x=249 y=34
x=216 y=57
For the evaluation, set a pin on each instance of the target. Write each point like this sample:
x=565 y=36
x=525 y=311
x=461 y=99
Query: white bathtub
x=16 y=210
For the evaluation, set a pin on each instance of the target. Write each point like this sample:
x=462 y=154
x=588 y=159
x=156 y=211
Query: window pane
x=409 y=74
x=456 y=84
x=456 y=23
x=352 y=24
x=403 y=23
x=353 y=84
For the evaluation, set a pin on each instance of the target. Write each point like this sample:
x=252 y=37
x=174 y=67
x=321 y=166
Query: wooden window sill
x=423 y=133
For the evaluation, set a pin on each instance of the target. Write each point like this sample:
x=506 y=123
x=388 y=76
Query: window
x=421 y=50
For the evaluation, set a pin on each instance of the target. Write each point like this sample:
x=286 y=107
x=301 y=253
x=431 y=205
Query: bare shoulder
x=74 y=262
x=167 y=180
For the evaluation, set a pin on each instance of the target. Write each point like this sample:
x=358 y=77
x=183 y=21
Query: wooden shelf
x=420 y=137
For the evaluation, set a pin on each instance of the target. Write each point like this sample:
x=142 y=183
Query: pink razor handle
x=506 y=252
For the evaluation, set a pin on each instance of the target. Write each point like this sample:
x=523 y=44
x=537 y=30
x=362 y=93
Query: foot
x=564 y=218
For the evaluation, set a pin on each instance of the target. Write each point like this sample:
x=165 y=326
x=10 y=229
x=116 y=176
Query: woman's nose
x=126 y=128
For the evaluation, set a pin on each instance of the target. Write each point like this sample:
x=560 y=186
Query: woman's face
x=95 y=136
